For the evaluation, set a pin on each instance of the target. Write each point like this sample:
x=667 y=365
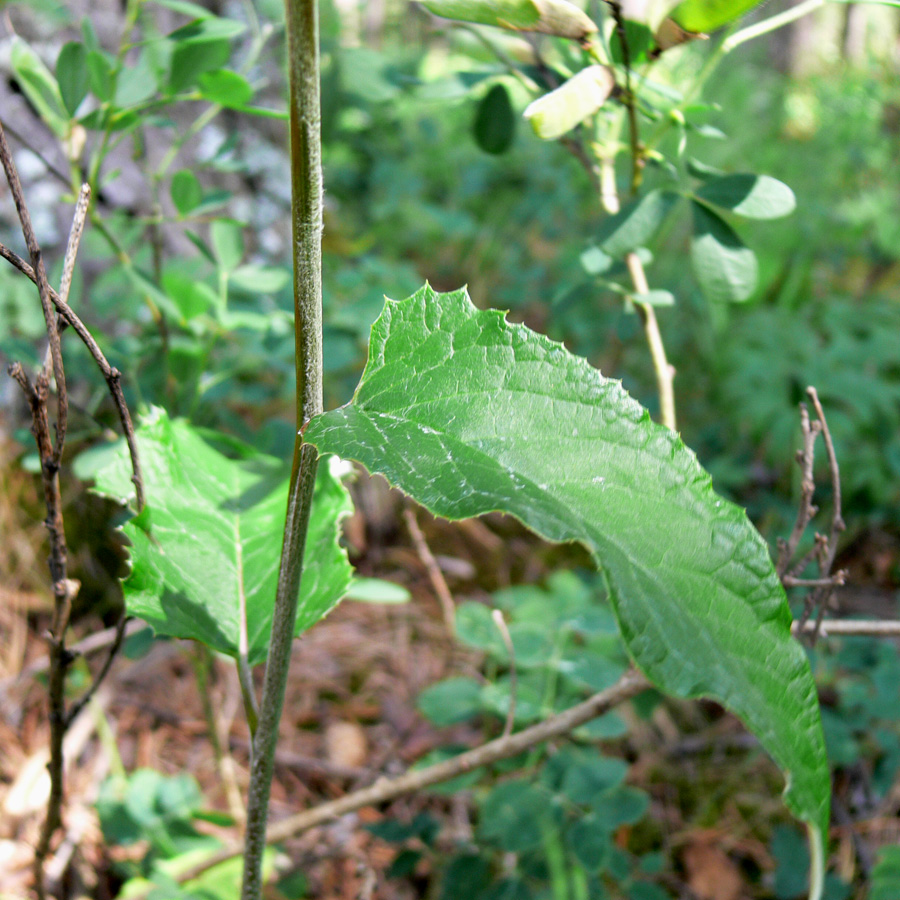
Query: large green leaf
x=468 y=414
x=210 y=535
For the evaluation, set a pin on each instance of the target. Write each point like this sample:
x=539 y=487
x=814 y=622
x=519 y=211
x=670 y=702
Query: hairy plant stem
x=302 y=26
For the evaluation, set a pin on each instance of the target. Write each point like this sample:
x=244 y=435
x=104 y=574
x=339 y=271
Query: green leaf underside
x=635 y=224
x=726 y=269
x=469 y=414
x=495 y=121
x=212 y=531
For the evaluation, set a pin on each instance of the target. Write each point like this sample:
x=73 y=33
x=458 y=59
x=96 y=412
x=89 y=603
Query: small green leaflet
x=725 y=267
x=750 y=196
x=211 y=533
x=469 y=414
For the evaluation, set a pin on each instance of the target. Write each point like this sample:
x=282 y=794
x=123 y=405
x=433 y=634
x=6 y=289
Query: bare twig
x=65 y=589
x=118 y=637
x=75 y=232
x=58 y=174
x=100 y=640
x=849 y=628
x=500 y=622
x=435 y=575
x=836 y=580
x=112 y=375
x=806 y=511
x=384 y=790
x=824 y=547
x=837 y=519
x=43 y=285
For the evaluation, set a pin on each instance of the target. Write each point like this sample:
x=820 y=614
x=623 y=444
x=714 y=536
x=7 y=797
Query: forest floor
x=351 y=717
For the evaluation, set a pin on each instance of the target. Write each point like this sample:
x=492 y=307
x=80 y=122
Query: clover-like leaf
x=725 y=267
x=751 y=196
x=469 y=414
x=495 y=121
x=207 y=544
x=635 y=224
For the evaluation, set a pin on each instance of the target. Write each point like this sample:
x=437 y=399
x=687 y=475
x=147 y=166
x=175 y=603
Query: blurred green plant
x=560 y=821
x=159 y=814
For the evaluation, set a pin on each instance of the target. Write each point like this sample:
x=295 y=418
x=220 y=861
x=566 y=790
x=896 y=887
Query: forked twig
x=83 y=701
x=112 y=375
x=43 y=285
x=824 y=547
x=56 y=314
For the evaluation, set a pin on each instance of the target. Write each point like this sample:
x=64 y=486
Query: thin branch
x=384 y=790
x=663 y=369
x=637 y=159
x=806 y=510
x=112 y=375
x=52 y=169
x=500 y=622
x=43 y=285
x=839 y=578
x=837 y=520
x=91 y=644
x=118 y=637
x=64 y=591
x=435 y=575
x=849 y=628
x=75 y=232
x=824 y=547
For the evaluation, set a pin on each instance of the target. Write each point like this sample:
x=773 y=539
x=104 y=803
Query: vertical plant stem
x=302 y=26
x=664 y=371
x=662 y=368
